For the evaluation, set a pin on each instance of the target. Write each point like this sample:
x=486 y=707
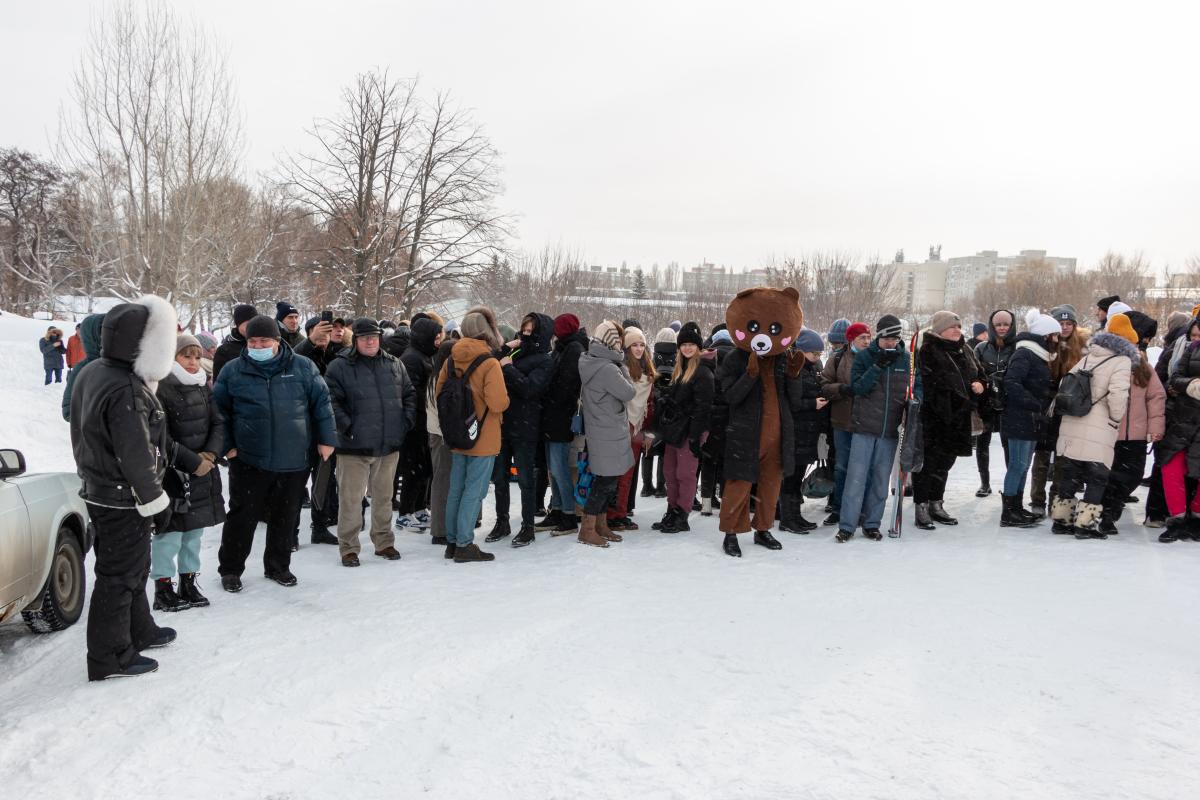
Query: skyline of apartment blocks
x=965 y=273
x=710 y=278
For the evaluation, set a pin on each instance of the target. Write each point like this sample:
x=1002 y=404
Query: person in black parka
x=416 y=466
x=810 y=416
x=528 y=369
x=713 y=452
x=193 y=483
x=559 y=406
x=235 y=341
x=1178 y=325
x=687 y=398
x=993 y=355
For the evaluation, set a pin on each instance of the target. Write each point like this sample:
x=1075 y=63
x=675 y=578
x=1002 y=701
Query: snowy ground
x=971 y=662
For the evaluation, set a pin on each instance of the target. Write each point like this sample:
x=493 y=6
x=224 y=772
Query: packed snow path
x=967 y=662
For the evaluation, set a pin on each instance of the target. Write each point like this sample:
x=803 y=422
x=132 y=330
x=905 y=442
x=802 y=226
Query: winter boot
x=844 y=536
x=938 y=514
x=1176 y=530
x=550 y=522
x=1063 y=512
x=789 y=511
x=471 y=552
x=604 y=532
x=567 y=523
x=985 y=486
x=162 y=638
x=499 y=531
x=832 y=519
x=1009 y=517
x=140 y=665
x=588 y=534
x=450 y=550
x=389 y=553
x=668 y=520
x=678 y=523
x=1107 y=526
x=231 y=583
x=351 y=560
x=283 y=578
x=437 y=540
x=1087 y=521
x=923 y=520
x=321 y=535
x=765 y=539
x=165 y=598
x=730 y=546
x=189 y=592
x=706 y=506
x=524 y=536
x=873 y=534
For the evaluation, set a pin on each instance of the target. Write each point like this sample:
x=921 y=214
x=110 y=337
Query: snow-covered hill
x=970 y=662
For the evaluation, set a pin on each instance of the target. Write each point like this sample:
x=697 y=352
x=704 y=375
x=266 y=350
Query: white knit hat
x=1040 y=324
x=1119 y=307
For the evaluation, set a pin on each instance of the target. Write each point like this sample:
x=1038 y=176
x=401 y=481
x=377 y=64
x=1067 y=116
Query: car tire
x=65 y=589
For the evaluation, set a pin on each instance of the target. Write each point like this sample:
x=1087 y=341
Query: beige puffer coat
x=1092 y=437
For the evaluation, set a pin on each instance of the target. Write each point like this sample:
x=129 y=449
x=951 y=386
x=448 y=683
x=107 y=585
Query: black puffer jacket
x=118 y=428
x=744 y=397
x=1163 y=366
x=321 y=356
x=397 y=342
x=993 y=356
x=195 y=426
x=527 y=380
x=693 y=400
x=562 y=399
x=374 y=405
x=809 y=421
x=293 y=339
x=1027 y=389
x=714 y=446
x=1183 y=414
x=418 y=362
x=946 y=371
x=230 y=349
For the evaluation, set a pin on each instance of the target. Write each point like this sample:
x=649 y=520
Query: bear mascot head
x=765 y=321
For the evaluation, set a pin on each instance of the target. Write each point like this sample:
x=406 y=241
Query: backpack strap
x=467 y=376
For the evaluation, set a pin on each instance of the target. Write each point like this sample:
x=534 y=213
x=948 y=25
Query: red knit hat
x=857 y=329
x=565 y=325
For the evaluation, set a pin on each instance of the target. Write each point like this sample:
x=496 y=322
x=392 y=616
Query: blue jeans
x=469 y=477
x=55 y=373
x=1020 y=455
x=841 y=450
x=868 y=477
x=562 y=489
x=164 y=547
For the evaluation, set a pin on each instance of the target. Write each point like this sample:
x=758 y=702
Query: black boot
x=765 y=539
x=844 y=536
x=1107 y=525
x=140 y=665
x=524 y=536
x=321 y=535
x=832 y=519
x=938 y=514
x=189 y=592
x=449 y=554
x=873 y=534
x=1009 y=517
x=499 y=531
x=985 y=487
x=165 y=598
x=921 y=512
x=730 y=546
x=549 y=522
x=678 y=523
x=668 y=521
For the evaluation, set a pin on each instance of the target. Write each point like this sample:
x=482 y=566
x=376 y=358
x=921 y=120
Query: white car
x=44 y=533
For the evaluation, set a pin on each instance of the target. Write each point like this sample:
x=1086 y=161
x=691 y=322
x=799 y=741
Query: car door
x=16 y=547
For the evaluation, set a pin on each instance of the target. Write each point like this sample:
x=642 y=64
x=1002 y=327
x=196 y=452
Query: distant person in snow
x=53 y=352
x=119 y=437
x=75 y=351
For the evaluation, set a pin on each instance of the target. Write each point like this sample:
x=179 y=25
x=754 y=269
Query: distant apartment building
x=919 y=286
x=965 y=273
x=709 y=278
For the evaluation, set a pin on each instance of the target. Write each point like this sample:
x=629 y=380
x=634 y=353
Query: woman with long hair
x=639 y=411
x=682 y=424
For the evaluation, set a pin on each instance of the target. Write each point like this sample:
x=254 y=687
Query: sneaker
x=283 y=577
x=161 y=639
x=140 y=665
x=422 y=518
x=549 y=522
x=1154 y=523
x=410 y=524
x=568 y=523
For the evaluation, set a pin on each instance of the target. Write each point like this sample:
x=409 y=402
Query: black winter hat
x=631 y=323
x=262 y=326
x=888 y=326
x=243 y=312
x=365 y=326
x=689 y=333
x=284 y=309
x=1104 y=302
x=1145 y=326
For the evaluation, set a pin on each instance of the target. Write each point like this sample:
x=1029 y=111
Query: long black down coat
x=1183 y=414
x=195 y=426
x=417 y=359
x=947 y=371
x=562 y=399
x=810 y=422
x=527 y=380
x=1027 y=389
x=744 y=398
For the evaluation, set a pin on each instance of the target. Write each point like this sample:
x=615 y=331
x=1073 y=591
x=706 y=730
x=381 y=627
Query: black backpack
x=1074 y=398
x=456 y=408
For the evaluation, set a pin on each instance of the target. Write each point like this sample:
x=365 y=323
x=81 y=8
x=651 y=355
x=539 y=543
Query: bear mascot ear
x=765 y=321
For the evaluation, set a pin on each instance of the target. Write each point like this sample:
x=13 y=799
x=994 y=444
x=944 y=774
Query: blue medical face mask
x=261 y=353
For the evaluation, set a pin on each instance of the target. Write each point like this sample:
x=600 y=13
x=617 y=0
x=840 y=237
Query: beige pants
x=357 y=477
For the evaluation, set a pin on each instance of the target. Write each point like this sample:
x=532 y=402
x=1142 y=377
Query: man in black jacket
x=558 y=409
x=373 y=407
x=235 y=342
x=319 y=346
x=527 y=367
x=119 y=436
x=416 y=468
x=288 y=318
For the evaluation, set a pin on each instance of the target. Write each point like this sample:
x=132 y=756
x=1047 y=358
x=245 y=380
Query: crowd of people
x=405 y=427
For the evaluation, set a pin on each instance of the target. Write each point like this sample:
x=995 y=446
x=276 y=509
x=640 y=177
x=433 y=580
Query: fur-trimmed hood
x=141 y=335
x=1114 y=344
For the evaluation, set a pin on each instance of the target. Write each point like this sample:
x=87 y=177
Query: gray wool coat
x=606 y=390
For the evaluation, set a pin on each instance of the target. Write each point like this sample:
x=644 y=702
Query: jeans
x=468 y=486
x=868 y=477
x=841 y=444
x=525 y=456
x=55 y=373
x=983 y=455
x=1020 y=455
x=164 y=547
x=562 y=488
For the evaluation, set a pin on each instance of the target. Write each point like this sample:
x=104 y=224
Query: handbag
x=819 y=481
x=583 y=484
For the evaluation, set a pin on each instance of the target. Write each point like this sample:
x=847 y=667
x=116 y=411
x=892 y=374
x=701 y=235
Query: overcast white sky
x=659 y=131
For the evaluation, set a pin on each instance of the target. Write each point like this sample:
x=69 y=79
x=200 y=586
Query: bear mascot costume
x=759 y=445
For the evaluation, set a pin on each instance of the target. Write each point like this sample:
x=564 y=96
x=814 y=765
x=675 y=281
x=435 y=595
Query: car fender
x=53 y=501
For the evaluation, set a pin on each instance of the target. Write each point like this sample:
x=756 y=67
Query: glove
x=162 y=519
x=694 y=446
x=204 y=468
x=886 y=358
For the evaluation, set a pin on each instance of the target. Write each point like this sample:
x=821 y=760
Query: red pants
x=1174 y=475
x=620 y=507
x=682 y=471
